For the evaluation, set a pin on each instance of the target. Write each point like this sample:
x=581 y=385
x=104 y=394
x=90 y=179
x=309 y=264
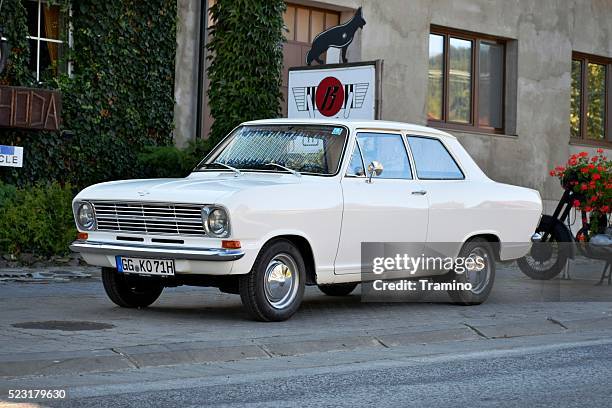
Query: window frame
x=450 y=154
x=404 y=141
x=228 y=138
x=582 y=138
x=38 y=39
x=350 y=159
x=310 y=9
x=475 y=39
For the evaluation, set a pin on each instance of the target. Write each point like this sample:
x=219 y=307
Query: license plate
x=163 y=267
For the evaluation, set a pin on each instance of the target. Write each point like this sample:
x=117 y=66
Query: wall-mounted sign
x=30 y=108
x=341 y=91
x=11 y=156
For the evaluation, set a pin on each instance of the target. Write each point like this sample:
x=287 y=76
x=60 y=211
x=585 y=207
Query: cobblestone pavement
x=201 y=324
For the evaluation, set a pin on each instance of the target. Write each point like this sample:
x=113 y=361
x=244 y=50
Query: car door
x=450 y=199
x=392 y=207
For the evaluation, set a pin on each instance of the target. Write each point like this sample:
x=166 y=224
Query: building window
x=44 y=33
x=466 y=81
x=304 y=23
x=590 y=98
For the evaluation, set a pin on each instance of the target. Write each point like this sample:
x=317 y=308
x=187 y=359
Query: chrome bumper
x=153 y=251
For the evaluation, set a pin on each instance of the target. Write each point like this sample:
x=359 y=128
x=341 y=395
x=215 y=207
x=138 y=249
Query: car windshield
x=305 y=149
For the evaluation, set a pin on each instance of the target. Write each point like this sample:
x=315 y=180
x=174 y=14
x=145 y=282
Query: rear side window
x=432 y=160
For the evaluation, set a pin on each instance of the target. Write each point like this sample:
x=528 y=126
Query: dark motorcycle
x=554 y=243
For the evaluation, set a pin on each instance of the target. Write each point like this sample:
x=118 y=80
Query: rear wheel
x=128 y=291
x=274 y=288
x=338 y=289
x=547 y=259
x=480 y=277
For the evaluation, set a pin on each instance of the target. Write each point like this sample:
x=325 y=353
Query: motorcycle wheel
x=547 y=259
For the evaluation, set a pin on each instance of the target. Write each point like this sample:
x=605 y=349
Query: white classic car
x=280 y=204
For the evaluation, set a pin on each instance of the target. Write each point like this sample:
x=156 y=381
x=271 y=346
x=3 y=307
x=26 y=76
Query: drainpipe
x=4 y=48
x=202 y=64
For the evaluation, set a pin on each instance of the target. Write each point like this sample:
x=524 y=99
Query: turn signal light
x=230 y=244
x=82 y=236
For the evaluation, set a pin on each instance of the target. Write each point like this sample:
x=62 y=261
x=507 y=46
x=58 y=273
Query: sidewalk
x=69 y=327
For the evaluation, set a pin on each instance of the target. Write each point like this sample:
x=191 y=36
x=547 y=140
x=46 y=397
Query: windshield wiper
x=280 y=166
x=227 y=166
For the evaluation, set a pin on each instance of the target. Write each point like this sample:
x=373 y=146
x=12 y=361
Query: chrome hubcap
x=281 y=281
x=477 y=276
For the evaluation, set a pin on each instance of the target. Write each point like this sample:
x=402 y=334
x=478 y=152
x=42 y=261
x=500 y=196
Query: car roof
x=358 y=124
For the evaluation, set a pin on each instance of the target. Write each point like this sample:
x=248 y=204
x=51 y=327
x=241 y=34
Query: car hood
x=198 y=188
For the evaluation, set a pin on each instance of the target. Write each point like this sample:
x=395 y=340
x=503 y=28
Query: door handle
x=419 y=192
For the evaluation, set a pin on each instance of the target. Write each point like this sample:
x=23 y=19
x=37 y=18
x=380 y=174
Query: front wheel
x=480 y=275
x=274 y=288
x=547 y=259
x=128 y=291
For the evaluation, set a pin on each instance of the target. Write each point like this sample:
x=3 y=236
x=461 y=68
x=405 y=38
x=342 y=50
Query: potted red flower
x=590 y=178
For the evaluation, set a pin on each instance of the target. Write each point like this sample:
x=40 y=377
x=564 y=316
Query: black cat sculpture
x=337 y=37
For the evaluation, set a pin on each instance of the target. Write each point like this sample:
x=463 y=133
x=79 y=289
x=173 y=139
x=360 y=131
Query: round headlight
x=85 y=216
x=216 y=222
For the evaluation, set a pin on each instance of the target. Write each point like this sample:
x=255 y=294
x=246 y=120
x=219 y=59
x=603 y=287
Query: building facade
x=522 y=83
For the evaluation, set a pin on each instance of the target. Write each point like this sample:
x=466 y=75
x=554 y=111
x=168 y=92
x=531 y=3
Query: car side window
x=389 y=150
x=356 y=167
x=432 y=160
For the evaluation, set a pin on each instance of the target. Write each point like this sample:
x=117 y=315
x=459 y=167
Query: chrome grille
x=149 y=218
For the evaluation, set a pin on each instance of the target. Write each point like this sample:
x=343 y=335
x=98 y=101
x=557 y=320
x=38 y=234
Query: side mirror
x=374 y=168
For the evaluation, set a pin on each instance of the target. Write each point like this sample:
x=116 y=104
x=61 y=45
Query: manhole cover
x=64 y=325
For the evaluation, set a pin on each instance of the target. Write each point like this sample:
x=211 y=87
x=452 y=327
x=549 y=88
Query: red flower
x=572 y=161
x=596 y=176
x=584 y=169
x=576 y=203
x=587 y=208
x=583 y=154
x=591 y=166
x=594 y=159
x=552 y=173
x=584 y=187
x=600 y=150
x=605 y=209
x=600 y=168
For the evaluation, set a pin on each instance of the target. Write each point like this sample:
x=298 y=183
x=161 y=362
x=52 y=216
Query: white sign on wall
x=348 y=91
x=11 y=156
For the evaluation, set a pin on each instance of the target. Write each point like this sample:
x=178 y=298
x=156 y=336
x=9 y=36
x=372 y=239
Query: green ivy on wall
x=118 y=101
x=13 y=20
x=246 y=62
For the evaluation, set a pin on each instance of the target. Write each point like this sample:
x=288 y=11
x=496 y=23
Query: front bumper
x=156 y=251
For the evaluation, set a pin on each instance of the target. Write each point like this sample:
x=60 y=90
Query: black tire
x=480 y=292
x=256 y=289
x=127 y=291
x=543 y=252
x=338 y=289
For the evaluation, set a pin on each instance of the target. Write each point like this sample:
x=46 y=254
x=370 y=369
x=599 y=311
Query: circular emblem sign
x=329 y=96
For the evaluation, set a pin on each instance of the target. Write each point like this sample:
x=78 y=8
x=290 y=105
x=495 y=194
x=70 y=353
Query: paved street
x=531 y=341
